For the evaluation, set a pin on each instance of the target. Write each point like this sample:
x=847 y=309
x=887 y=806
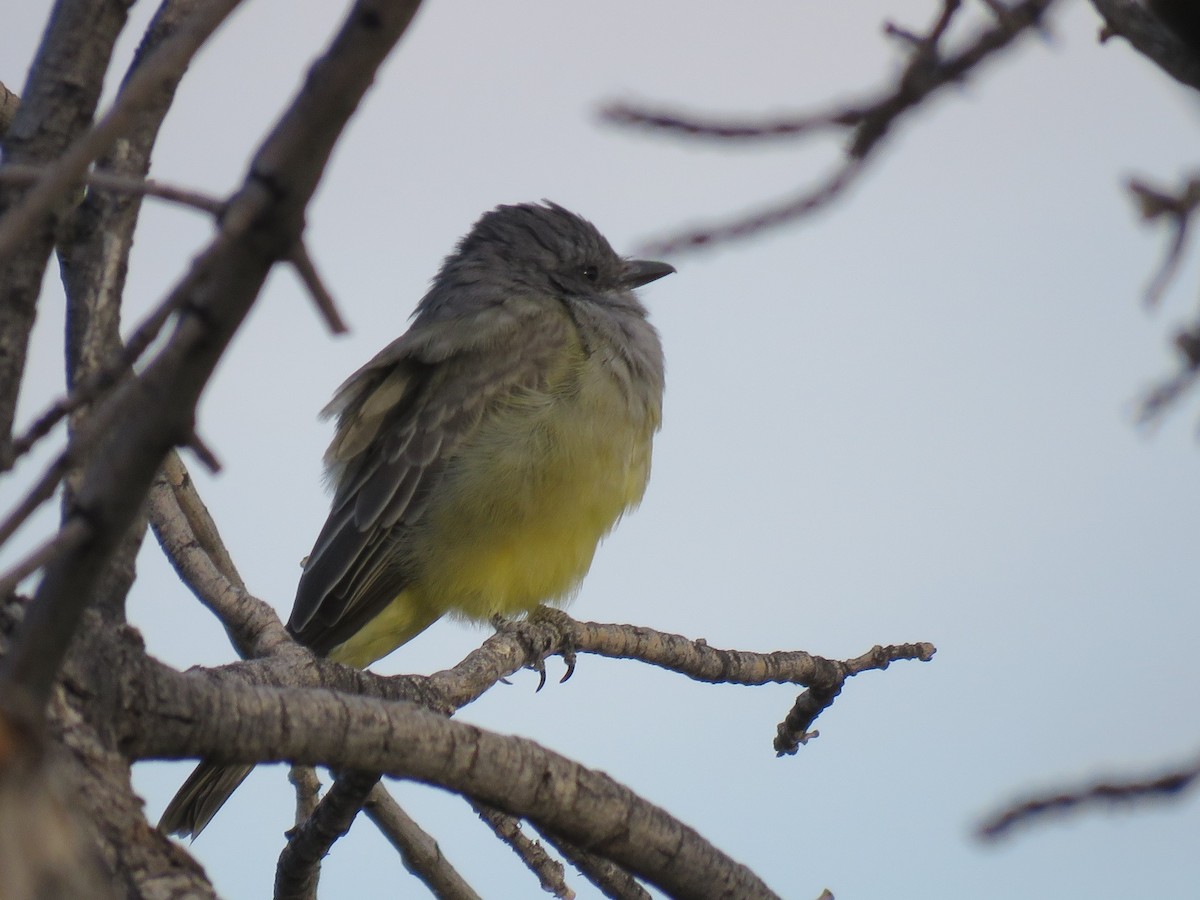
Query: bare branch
x=165 y=64
x=418 y=851
x=700 y=662
x=927 y=44
x=549 y=871
x=65 y=540
x=60 y=100
x=793 y=732
x=526 y=643
x=41 y=491
x=1163 y=395
x=695 y=125
x=1118 y=792
x=1155 y=204
x=203 y=452
x=789 y=210
x=869 y=121
x=299 y=865
x=155 y=410
x=324 y=301
x=308 y=791
x=611 y=879
x=1177 y=209
x=503 y=653
x=96 y=383
x=240 y=724
x=122 y=184
x=191 y=542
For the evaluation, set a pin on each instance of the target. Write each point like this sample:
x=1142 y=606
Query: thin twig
x=301 y=260
x=308 y=791
x=695 y=125
x=42 y=490
x=204 y=453
x=613 y=881
x=201 y=527
x=804 y=204
x=526 y=643
x=193 y=546
x=170 y=57
x=68 y=537
x=1178 y=208
x=926 y=44
x=1169 y=785
x=868 y=121
x=419 y=852
x=299 y=865
x=549 y=871
x=20 y=173
x=1163 y=395
x=97 y=383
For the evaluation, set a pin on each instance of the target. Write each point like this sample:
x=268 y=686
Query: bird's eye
x=591 y=273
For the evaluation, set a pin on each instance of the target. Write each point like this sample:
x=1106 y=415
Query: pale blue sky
x=908 y=419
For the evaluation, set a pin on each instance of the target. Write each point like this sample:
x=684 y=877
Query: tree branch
x=1118 y=792
x=164 y=714
x=419 y=852
x=192 y=544
x=299 y=865
x=868 y=121
x=525 y=643
x=164 y=66
x=48 y=851
x=1177 y=210
x=94 y=386
x=154 y=411
x=611 y=879
x=65 y=540
x=549 y=871
x=59 y=101
x=308 y=790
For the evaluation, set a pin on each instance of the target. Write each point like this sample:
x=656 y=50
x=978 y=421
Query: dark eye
x=591 y=273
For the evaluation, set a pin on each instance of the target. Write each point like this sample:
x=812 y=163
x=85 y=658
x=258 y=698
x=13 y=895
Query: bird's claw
x=539 y=666
x=564 y=625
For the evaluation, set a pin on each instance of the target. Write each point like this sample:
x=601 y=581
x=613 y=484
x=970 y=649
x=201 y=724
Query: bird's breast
x=524 y=502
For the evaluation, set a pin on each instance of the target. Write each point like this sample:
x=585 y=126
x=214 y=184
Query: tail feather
x=197 y=801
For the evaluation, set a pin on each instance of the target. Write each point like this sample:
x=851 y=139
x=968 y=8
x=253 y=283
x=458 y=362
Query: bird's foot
x=564 y=625
x=540 y=645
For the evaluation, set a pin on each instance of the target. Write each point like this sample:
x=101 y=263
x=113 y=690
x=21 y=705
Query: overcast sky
x=907 y=419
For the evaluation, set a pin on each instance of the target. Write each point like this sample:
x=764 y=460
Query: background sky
x=910 y=418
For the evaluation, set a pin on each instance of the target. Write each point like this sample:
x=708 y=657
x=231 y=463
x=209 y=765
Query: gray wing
x=399 y=419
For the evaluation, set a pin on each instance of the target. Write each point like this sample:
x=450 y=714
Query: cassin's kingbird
x=479 y=458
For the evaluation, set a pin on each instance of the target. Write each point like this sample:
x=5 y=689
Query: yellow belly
x=520 y=509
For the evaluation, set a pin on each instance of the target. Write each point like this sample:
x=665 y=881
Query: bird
x=479 y=459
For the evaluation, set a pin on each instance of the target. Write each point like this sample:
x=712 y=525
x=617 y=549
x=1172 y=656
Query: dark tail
x=205 y=792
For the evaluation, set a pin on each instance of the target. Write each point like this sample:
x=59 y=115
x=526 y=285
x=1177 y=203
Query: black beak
x=643 y=271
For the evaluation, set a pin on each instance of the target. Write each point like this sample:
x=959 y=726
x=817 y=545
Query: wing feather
x=400 y=418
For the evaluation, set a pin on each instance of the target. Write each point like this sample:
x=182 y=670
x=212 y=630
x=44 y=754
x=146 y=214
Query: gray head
x=536 y=249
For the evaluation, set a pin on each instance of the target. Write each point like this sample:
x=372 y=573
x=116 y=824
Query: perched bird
x=480 y=457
